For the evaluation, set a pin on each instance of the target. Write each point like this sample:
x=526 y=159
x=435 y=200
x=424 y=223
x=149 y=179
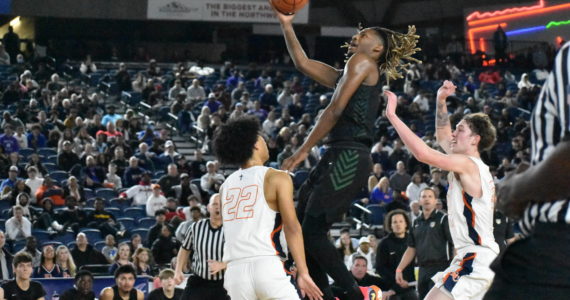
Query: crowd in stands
x=90 y=180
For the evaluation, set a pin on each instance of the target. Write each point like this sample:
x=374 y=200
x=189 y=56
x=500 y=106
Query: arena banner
x=5 y=7
x=54 y=287
x=246 y=11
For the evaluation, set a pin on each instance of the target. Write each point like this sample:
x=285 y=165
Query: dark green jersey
x=356 y=124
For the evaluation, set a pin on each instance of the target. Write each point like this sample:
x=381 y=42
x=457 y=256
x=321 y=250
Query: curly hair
x=233 y=142
x=480 y=124
x=388 y=219
x=397 y=48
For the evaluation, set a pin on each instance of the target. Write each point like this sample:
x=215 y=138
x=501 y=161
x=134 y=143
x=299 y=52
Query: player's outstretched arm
x=358 y=68
x=456 y=163
x=442 y=124
x=318 y=71
x=283 y=186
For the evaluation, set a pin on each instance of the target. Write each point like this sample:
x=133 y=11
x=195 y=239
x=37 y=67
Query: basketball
x=289 y=7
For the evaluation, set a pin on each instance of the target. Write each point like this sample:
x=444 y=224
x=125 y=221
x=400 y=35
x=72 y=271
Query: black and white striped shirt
x=206 y=243
x=550 y=125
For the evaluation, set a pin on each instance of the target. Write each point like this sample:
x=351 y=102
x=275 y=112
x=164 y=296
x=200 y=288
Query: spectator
x=156 y=201
x=198 y=164
x=67 y=159
x=268 y=99
x=140 y=192
x=65 y=262
x=124 y=287
x=83 y=288
x=146 y=159
x=74 y=190
x=32 y=250
x=169 y=155
x=168 y=289
x=182 y=230
x=346 y=248
x=34 y=161
x=195 y=92
x=105 y=221
x=422 y=101
x=33 y=182
x=23 y=200
x=142 y=262
x=175 y=90
x=258 y=111
x=21 y=287
x=18 y=227
x=375 y=176
x=110 y=117
x=165 y=247
x=122 y=258
x=359 y=270
x=133 y=173
x=382 y=193
x=415 y=187
x=5 y=259
x=170 y=179
x=123 y=78
x=173 y=212
x=212 y=103
x=154 y=232
x=186 y=189
x=85 y=254
x=437 y=181
x=11 y=180
x=390 y=252
x=112 y=180
x=71 y=216
x=136 y=242
x=109 y=250
x=48 y=268
x=503 y=230
x=400 y=179
x=48 y=190
x=21 y=137
x=211 y=181
x=364 y=250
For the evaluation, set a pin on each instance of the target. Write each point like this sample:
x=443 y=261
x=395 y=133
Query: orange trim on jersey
x=232 y=207
x=470 y=209
x=460 y=266
x=272 y=235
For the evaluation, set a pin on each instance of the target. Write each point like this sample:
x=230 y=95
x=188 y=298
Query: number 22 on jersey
x=239 y=202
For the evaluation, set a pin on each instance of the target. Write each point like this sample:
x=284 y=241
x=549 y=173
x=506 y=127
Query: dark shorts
x=335 y=181
x=536 y=267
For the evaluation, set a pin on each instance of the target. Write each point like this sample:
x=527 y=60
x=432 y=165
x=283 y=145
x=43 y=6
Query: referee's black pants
x=198 y=288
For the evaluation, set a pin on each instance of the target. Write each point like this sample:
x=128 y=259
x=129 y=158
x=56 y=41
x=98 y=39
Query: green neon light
x=554 y=24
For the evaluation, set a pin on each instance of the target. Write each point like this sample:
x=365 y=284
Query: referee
x=205 y=242
x=430 y=240
x=537 y=266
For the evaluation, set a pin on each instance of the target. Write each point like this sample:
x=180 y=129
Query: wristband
x=398 y=270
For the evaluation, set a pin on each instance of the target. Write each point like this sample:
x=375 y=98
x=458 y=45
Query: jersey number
x=239 y=203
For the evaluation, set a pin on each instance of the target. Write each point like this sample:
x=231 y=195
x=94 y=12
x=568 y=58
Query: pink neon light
x=521 y=14
x=479 y=15
x=471 y=32
x=482 y=45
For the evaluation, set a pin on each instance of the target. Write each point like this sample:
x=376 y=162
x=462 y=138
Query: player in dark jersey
x=22 y=288
x=348 y=121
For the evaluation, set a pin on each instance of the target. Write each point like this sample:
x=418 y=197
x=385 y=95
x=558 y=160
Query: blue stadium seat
x=71 y=245
x=147 y=222
x=25 y=152
x=41 y=235
x=59 y=176
x=89 y=193
x=106 y=194
x=134 y=212
x=90 y=202
x=120 y=203
x=378 y=213
x=5 y=204
x=67 y=237
x=50 y=159
x=142 y=231
x=116 y=212
x=54 y=244
x=50 y=167
x=47 y=152
x=93 y=235
x=129 y=223
x=19 y=245
x=99 y=245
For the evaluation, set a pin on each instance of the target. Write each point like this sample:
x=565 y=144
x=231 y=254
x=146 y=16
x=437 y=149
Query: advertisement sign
x=248 y=11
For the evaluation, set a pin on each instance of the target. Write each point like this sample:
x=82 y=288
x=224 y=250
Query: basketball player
x=470 y=197
x=257 y=204
x=348 y=121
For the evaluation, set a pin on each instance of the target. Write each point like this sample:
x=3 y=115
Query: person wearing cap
x=364 y=250
x=111 y=116
x=156 y=201
x=169 y=155
x=170 y=179
x=11 y=180
x=212 y=103
x=239 y=111
x=140 y=192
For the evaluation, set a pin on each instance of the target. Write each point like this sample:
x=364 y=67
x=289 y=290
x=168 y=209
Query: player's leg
x=438 y=294
x=238 y=281
x=271 y=281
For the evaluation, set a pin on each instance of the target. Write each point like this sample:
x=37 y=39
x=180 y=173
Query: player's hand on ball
x=290 y=163
x=283 y=19
x=308 y=287
x=391 y=105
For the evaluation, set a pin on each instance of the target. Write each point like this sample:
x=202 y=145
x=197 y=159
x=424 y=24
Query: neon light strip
x=479 y=29
x=479 y=15
x=482 y=45
x=522 y=14
x=554 y=23
x=525 y=30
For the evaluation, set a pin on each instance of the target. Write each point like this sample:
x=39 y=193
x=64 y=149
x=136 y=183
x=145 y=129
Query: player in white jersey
x=257 y=203
x=470 y=198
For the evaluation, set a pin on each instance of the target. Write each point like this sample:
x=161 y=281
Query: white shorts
x=469 y=275
x=259 y=278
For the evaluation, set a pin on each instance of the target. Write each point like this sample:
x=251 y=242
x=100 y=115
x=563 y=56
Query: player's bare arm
x=318 y=71
x=460 y=164
x=442 y=123
x=545 y=182
x=358 y=69
x=279 y=194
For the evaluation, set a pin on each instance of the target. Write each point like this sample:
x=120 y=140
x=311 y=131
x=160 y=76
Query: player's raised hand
x=291 y=163
x=446 y=90
x=283 y=18
x=308 y=287
x=391 y=105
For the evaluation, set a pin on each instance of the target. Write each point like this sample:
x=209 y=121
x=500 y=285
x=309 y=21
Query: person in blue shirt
x=111 y=116
x=382 y=192
x=36 y=139
x=11 y=180
x=8 y=141
x=212 y=103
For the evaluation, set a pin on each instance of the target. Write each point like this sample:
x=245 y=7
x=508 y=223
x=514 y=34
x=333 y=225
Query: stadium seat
x=67 y=237
x=5 y=204
x=59 y=176
x=129 y=223
x=147 y=222
x=89 y=193
x=134 y=212
x=120 y=203
x=116 y=212
x=90 y=202
x=54 y=244
x=143 y=232
x=50 y=167
x=99 y=245
x=71 y=245
x=25 y=152
x=41 y=235
x=50 y=159
x=97 y=270
x=378 y=212
x=19 y=245
x=47 y=152
x=106 y=194
x=93 y=235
